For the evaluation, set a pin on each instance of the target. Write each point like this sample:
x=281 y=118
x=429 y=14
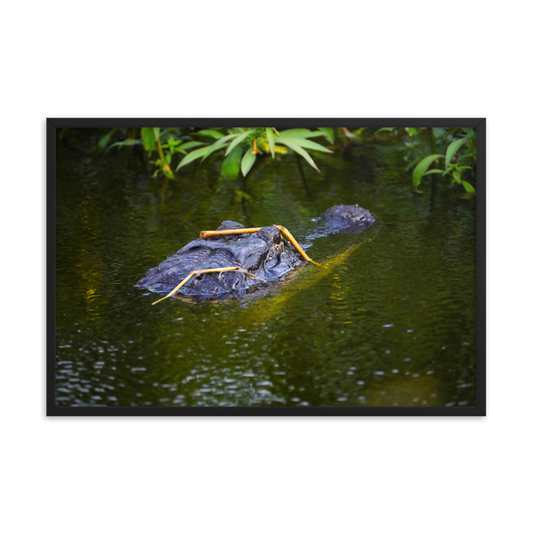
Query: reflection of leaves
x=241 y=195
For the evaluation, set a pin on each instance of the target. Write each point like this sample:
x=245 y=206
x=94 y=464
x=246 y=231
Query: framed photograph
x=266 y=267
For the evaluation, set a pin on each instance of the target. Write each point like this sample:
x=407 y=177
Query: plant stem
x=166 y=168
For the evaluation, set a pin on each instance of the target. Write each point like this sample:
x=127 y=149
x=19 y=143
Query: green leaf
x=127 y=142
x=412 y=131
x=156 y=133
x=302 y=133
x=189 y=145
x=310 y=145
x=456 y=176
x=210 y=133
x=247 y=161
x=299 y=150
x=232 y=164
x=329 y=134
x=238 y=140
x=271 y=141
x=421 y=168
x=195 y=154
x=468 y=187
x=106 y=138
x=216 y=145
x=433 y=171
x=384 y=129
x=148 y=138
x=454 y=146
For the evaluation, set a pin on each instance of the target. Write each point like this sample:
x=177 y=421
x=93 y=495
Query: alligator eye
x=277 y=238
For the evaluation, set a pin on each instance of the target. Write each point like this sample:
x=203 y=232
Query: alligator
x=233 y=260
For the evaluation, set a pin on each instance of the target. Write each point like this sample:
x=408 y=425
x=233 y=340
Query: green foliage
x=420 y=169
x=459 y=159
x=242 y=145
x=257 y=141
x=166 y=142
x=447 y=152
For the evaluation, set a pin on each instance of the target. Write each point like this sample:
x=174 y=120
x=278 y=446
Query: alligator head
x=261 y=256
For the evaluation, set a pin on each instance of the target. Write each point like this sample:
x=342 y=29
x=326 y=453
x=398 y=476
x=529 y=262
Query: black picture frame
x=53 y=124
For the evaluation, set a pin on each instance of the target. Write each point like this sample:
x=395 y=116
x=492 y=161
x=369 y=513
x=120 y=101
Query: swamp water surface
x=391 y=324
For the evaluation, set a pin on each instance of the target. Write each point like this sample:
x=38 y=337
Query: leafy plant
x=242 y=146
x=166 y=142
x=452 y=163
x=459 y=157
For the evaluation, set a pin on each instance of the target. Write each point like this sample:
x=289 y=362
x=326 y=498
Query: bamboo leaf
x=468 y=187
x=238 y=140
x=299 y=150
x=456 y=176
x=421 y=168
x=310 y=145
x=127 y=142
x=302 y=133
x=106 y=138
x=329 y=134
x=247 y=161
x=452 y=149
x=188 y=145
x=271 y=141
x=195 y=154
x=148 y=138
x=210 y=133
x=216 y=145
x=433 y=171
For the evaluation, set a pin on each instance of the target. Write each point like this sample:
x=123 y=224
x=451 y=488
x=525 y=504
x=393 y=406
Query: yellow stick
x=285 y=231
x=292 y=240
x=194 y=273
x=205 y=234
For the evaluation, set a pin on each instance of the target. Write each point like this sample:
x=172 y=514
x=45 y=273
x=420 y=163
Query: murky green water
x=392 y=324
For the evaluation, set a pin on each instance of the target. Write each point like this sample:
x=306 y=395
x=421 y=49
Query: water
x=392 y=324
